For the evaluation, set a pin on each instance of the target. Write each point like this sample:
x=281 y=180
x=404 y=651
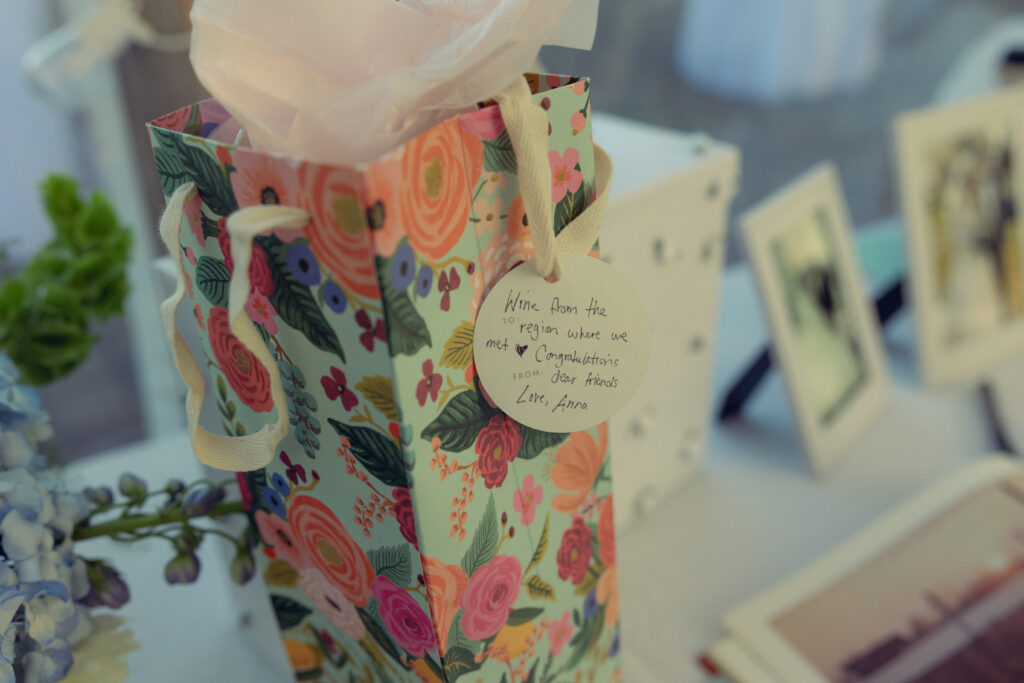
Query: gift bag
x=411 y=530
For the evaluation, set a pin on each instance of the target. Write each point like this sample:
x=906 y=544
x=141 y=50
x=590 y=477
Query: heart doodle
x=520 y=349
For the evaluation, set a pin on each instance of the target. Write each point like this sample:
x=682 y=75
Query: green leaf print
x=572 y=205
x=393 y=562
x=289 y=613
x=499 y=155
x=407 y=331
x=295 y=303
x=374 y=451
x=460 y=421
x=213 y=279
x=524 y=615
x=458 y=662
x=485 y=541
x=542 y=546
x=536 y=442
x=458 y=350
x=539 y=589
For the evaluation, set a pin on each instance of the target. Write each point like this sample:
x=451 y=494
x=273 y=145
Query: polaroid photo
x=932 y=592
x=961 y=186
x=825 y=332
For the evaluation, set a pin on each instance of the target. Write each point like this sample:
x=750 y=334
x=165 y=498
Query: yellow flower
x=303 y=656
x=511 y=641
x=100 y=657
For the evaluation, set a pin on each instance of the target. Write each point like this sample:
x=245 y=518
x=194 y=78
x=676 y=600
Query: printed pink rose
x=484 y=123
x=404 y=619
x=403 y=513
x=574 y=554
x=560 y=633
x=277 y=535
x=331 y=601
x=497 y=445
x=526 y=499
x=489 y=596
x=247 y=377
x=565 y=177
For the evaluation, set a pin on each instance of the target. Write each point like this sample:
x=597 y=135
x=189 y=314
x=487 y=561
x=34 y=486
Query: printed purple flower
x=424 y=280
x=403 y=268
x=448 y=283
x=279 y=483
x=335 y=387
x=334 y=297
x=184 y=568
x=302 y=264
x=372 y=332
x=590 y=605
x=272 y=499
x=430 y=384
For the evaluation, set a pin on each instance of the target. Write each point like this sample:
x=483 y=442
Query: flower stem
x=134 y=522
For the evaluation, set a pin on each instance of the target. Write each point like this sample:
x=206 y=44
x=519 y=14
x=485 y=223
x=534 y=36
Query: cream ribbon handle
x=527 y=129
x=235 y=453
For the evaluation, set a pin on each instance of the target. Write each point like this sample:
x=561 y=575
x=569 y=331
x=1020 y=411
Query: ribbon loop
x=527 y=127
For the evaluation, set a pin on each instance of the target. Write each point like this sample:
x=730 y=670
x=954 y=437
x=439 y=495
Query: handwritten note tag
x=562 y=356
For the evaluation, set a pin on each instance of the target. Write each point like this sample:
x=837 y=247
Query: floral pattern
x=411 y=531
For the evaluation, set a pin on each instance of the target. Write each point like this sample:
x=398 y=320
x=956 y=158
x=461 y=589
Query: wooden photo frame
x=961 y=189
x=825 y=333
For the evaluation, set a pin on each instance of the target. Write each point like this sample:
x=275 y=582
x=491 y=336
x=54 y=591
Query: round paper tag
x=562 y=356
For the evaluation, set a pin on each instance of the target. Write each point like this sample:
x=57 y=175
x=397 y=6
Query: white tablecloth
x=753 y=515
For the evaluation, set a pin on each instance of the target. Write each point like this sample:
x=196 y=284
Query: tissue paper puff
x=346 y=81
x=411 y=530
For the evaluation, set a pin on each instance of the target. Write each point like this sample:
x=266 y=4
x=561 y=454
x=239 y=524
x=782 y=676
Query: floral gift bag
x=411 y=530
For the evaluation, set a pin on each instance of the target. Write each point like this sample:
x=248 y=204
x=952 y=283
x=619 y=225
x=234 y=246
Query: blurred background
x=789 y=82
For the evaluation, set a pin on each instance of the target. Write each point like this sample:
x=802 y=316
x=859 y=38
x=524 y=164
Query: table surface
x=752 y=515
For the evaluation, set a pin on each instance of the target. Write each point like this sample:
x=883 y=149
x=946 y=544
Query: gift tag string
x=527 y=126
x=234 y=453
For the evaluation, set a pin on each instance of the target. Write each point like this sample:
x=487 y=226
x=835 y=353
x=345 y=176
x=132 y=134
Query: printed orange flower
x=337 y=232
x=577 y=464
x=434 y=205
x=608 y=595
x=606 y=532
x=330 y=549
x=607 y=585
x=445 y=584
x=262 y=178
x=383 y=182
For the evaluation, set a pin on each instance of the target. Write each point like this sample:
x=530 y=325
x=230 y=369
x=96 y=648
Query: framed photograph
x=824 y=329
x=961 y=186
x=896 y=605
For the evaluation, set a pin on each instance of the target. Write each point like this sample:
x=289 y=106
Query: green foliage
x=47 y=308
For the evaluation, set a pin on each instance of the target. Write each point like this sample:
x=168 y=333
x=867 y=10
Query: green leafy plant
x=47 y=309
